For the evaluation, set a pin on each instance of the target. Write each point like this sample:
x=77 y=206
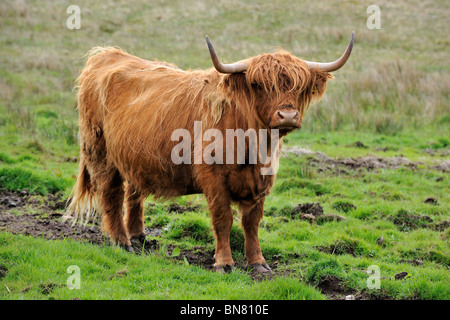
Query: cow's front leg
x=213 y=186
x=252 y=214
x=222 y=221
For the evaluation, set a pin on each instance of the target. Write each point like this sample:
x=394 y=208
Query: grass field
x=364 y=183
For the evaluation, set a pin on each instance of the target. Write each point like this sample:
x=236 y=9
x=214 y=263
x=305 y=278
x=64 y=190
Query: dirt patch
x=373 y=295
x=50 y=227
x=329 y=218
x=198 y=256
x=431 y=200
x=45 y=221
x=358 y=144
x=374 y=162
x=153 y=232
x=332 y=287
x=443 y=166
x=55 y=202
x=48 y=288
x=437 y=152
x=406 y=221
x=178 y=208
x=340 y=247
x=441 y=226
x=370 y=162
x=414 y=262
x=314 y=209
x=121 y=273
x=400 y=275
x=419 y=255
x=3 y=271
x=10 y=200
x=313 y=212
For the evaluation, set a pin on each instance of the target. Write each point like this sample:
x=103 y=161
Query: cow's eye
x=256 y=86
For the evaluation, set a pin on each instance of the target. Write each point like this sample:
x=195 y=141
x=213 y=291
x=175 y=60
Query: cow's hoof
x=260 y=268
x=127 y=247
x=224 y=269
x=140 y=238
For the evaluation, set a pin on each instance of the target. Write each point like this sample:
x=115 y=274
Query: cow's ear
x=235 y=83
x=319 y=82
x=237 y=92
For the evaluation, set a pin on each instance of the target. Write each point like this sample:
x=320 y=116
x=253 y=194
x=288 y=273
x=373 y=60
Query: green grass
x=111 y=273
x=13 y=179
x=390 y=100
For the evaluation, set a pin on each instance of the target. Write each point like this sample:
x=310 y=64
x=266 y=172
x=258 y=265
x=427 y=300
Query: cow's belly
x=176 y=182
x=171 y=182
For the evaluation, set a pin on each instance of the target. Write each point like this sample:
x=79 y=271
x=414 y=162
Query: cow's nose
x=287 y=118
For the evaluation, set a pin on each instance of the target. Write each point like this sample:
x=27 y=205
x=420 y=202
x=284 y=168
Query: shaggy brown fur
x=128 y=109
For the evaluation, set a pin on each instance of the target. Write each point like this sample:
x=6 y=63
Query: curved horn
x=224 y=68
x=335 y=65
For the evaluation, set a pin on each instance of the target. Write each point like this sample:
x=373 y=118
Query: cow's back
x=129 y=108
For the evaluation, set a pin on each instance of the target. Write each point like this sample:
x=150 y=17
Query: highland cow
x=130 y=107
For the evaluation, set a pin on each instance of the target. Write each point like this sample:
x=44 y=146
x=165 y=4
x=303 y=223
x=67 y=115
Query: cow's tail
x=82 y=205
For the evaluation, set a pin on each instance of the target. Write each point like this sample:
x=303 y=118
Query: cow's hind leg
x=107 y=183
x=134 y=218
x=110 y=193
x=251 y=216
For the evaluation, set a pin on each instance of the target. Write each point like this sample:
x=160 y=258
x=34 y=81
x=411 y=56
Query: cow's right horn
x=335 y=65
x=224 y=68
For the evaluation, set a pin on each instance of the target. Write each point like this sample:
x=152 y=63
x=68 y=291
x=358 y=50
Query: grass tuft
x=14 y=179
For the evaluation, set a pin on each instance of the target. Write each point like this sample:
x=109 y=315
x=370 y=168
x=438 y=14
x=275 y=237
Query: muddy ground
x=324 y=163
x=45 y=221
x=36 y=216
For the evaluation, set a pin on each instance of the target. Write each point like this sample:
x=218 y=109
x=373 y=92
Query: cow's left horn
x=335 y=65
x=225 y=68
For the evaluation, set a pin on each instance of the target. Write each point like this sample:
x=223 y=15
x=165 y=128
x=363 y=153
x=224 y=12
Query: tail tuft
x=82 y=205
